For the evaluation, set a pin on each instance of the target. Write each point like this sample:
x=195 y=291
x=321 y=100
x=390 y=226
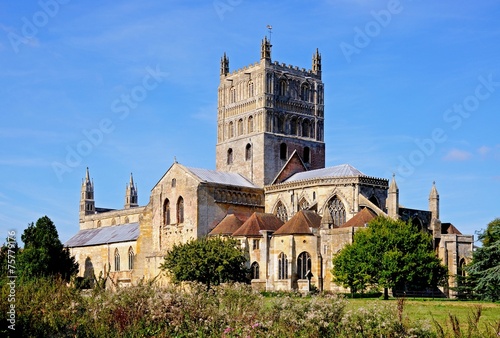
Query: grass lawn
x=440 y=310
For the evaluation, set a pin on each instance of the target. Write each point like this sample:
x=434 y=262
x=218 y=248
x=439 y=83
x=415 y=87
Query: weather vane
x=270 y=28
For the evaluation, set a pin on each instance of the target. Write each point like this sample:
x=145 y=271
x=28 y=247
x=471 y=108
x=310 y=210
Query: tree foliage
x=43 y=254
x=484 y=270
x=390 y=254
x=210 y=261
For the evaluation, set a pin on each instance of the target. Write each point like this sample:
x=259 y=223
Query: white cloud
x=457 y=155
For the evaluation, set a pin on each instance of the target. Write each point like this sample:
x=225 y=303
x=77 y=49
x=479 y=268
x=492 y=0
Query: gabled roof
x=221 y=177
x=105 y=235
x=448 y=228
x=227 y=226
x=300 y=224
x=293 y=165
x=343 y=170
x=360 y=219
x=257 y=222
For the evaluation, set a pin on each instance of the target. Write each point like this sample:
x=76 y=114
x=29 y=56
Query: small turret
x=393 y=199
x=131 y=194
x=316 y=63
x=87 y=203
x=224 y=65
x=265 y=50
x=434 y=201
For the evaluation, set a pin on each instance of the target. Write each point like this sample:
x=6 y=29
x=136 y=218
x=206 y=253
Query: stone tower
x=266 y=111
x=131 y=194
x=87 y=204
x=435 y=225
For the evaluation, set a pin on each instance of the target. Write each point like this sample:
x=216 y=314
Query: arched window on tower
x=307 y=155
x=305 y=128
x=230 y=130
x=283 y=88
x=303 y=265
x=250 y=124
x=304 y=92
x=180 y=210
x=250 y=89
x=166 y=212
x=230 y=156
x=293 y=126
x=281 y=212
x=240 y=127
x=248 y=152
x=337 y=211
x=117 y=260
x=281 y=124
x=282 y=266
x=283 y=152
x=232 y=95
x=254 y=270
x=130 y=258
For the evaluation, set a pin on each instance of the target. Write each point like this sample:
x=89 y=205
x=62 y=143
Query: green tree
x=484 y=270
x=210 y=261
x=43 y=254
x=389 y=254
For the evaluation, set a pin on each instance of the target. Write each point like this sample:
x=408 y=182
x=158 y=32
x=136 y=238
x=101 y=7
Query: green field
x=441 y=311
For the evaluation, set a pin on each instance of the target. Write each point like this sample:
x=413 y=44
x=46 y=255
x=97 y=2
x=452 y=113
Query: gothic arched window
x=283 y=151
x=248 y=152
x=305 y=128
x=230 y=156
x=180 y=210
x=337 y=211
x=254 y=270
x=282 y=266
x=130 y=258
x=117 y=260
x=232 y=95
x=293 y=126
x=304 y=92
x=281 y=212
x=303 y=265
x=166 y=212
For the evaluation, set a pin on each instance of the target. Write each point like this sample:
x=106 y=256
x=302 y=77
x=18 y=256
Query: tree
x=43 y=254
x=390 y=254
x=483 y=273
x=210 y=261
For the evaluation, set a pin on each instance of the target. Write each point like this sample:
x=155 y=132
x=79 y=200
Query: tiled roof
x=448 y=228
x=343 y=170
x=360 y=219
x=227 y=226
x=257 y=222
x=221 y=177
x=104 y=235
x=300 y=223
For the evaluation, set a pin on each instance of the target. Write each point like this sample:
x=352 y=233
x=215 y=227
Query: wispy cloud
x=457 y=155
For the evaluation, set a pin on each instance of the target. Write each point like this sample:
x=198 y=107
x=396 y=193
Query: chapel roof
x=105 y=235
x=342 y=170
x=300 y=224
x=360 y=219
x=221 y=177
x=229 y=224
x=257 y=222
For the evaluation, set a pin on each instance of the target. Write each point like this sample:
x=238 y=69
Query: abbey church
x=270 y=190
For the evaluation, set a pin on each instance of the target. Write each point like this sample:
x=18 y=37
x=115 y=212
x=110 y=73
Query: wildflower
x=228 y=330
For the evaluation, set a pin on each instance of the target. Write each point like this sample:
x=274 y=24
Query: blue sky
x=411 y=88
